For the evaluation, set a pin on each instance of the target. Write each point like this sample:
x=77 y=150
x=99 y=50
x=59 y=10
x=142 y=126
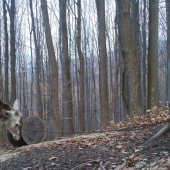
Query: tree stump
x=33 y=130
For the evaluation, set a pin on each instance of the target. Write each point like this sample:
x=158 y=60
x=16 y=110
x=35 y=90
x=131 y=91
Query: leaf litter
x=119 y=147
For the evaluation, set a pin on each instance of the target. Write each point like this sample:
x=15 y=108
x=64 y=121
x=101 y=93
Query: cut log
x=33 y=130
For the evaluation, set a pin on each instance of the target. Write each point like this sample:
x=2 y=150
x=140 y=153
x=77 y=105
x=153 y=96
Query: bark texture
x=131 y=76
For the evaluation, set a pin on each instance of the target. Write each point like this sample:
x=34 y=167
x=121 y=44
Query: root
x=159 y=133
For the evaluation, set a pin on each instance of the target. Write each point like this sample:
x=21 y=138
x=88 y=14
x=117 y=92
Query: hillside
x=118 y=147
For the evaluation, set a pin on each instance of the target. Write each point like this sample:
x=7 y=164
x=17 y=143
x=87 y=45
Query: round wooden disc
x=33 y=130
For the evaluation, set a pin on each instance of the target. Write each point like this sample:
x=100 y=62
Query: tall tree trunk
x=103 y=64
x=81 y=58
x=1 y=79
x=6 y=54
x=13 y=55
x=132 y=97
x=54 y=68
x=144 y=58
x=168 y=45
x=2 y=126
x=66 y=67
x=153 y=54
x=38 y=56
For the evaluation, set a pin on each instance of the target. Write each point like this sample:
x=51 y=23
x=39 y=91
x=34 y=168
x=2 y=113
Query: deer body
x=12 y=118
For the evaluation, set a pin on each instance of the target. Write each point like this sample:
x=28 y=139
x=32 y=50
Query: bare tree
x=66 y=67
x=131 y=75
x=144 y=91
x=12 y=14
x=6 y=96
x=2 y=127
x=103 y=63
x=81 y=58
x=153 y=54
x=54 y=68
x=38 y=66
x=168 y=43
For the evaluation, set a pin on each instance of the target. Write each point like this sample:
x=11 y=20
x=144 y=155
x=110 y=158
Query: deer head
x=13 y=120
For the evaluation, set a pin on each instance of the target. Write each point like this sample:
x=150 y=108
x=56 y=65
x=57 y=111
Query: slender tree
x=2 y=127
x=153 y=54
x=131 y=75
x=103 y=63
x=168 y=44
x=66 y=67
x=144 y=57
x=12 y=15
x=54 y=67
x=38 y=66
x=6 y=96
x=81 y=58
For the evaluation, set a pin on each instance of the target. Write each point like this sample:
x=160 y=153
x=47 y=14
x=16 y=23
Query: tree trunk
x=135 y=27
x=103 y=64
x=2 y=127
x=81 y=58
x=144 y=58
x=54 y=68
x=13 y=55
x=6 y=96
x=168 y=45
x=131 y=79
x=66 y=67
x=153 y=54
x=38 y=56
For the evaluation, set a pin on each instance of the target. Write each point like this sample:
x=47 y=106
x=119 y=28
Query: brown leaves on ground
x=153 y=116
x=120 y=147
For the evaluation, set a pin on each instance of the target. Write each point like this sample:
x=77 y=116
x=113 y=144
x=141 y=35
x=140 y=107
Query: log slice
x=33 y=130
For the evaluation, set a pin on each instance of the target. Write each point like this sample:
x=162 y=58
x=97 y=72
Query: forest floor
x=120 y=147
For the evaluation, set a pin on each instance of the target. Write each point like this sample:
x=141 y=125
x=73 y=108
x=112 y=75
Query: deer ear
x=16 y=104
x=6 y=113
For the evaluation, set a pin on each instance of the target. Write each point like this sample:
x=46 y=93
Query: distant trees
x=38 y=64
x=54 y=68
x=89 y=65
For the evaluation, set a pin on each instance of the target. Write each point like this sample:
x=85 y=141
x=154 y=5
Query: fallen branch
x=83 y=164
x=159 y=133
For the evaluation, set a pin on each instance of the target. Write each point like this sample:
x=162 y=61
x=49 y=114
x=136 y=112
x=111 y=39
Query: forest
x=81 y=64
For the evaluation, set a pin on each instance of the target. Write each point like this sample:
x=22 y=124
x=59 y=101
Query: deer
x=12 y=118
